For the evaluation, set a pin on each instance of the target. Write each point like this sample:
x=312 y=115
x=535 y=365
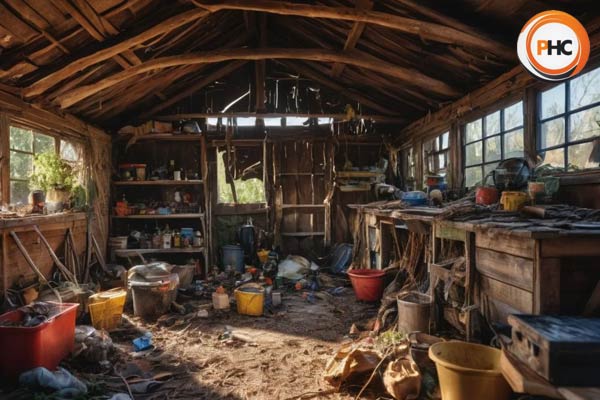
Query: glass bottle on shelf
x=171 y=169
x=176 y=239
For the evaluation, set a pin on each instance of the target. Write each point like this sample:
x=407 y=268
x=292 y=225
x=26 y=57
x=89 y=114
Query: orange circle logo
x=553 y=46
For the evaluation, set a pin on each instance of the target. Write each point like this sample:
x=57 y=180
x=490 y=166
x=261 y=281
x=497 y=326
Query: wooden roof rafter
x=122 y=43
x=426 y=30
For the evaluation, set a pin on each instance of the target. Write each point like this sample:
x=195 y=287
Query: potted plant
x=55 y=177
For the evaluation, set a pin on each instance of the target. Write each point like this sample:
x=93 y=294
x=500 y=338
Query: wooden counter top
x=41 y=219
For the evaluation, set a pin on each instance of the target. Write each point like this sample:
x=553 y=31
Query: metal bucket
x=153 y=299
x=414 y=312
x=233 y=255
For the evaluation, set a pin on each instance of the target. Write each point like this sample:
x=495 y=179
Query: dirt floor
x=225 y=355
x=281 y=356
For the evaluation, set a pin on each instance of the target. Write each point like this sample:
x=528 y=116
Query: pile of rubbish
x=392 y=362
x=33 y=315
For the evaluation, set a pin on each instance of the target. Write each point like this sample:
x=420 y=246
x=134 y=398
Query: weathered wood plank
x=547 y=286
x=519 y=299
x=516 y=271
x=505 y=243
x=581 y=247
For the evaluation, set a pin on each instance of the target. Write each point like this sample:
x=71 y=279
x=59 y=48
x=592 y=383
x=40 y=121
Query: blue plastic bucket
x=233 y=255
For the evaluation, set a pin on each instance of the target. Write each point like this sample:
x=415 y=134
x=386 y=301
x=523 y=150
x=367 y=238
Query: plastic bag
x=61 y=381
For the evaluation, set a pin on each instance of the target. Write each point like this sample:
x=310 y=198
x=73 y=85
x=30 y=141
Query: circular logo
x=553 y=46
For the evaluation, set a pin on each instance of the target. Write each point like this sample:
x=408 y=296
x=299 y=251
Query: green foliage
x=51 y=172
x=248 y=191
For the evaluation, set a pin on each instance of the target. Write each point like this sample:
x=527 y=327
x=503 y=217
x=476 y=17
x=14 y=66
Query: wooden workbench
x=529 y=270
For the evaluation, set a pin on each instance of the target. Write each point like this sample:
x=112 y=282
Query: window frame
x=58 y=139
x=438 y=149
x=501 y=133
x=565 y=116
x=225 y=205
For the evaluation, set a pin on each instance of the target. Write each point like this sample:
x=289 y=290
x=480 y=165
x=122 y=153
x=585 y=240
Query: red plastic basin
x=367 y=283
x=45 y=345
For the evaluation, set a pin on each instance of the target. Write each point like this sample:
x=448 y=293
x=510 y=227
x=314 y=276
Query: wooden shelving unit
x=189 y=153
x=358 y=174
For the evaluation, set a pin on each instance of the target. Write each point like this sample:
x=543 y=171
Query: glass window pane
x=513 y=116
x=473 y=131
x=489 y=168
x=584 y=90
x=442 y=160
x=553 y=133
x=21 y=165
x=445 y=140
x=473 y=176
x=556 y=157
x=21 y=139
x=68 y=151
x=493 y=149
x=584 y=124
x=552 y=101
x=513 y=144
x=43 y=144
x=492 y=124
x=473 y=153
x=580 y=155
x=19 y=192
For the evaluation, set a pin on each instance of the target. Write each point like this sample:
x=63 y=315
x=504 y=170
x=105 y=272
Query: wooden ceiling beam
x=112 y=49
x=327 y=82
x=335 y=116
x=426 y=30
x=409 y=76
x=201 y=83
x=353 y=36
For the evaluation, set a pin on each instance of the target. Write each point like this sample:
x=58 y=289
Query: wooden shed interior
x=306 y=125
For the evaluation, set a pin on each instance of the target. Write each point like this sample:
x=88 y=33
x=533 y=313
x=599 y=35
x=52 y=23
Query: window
x=491 y=139
x=245 y=176
x=436 y=153
x=569 y=123
x=24 y=145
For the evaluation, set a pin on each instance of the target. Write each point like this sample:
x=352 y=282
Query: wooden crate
x=564 y=350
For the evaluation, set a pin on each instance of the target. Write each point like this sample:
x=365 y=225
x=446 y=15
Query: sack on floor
x=402 y=379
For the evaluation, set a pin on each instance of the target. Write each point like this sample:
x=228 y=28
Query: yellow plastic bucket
x=263 y=255
x=469 y=371
x=106 y=308
x=513 y=201
x=250 y=299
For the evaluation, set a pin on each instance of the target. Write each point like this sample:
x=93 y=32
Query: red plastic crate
x=45 y=345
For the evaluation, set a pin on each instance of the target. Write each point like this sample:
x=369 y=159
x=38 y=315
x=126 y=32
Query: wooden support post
x=4 y=159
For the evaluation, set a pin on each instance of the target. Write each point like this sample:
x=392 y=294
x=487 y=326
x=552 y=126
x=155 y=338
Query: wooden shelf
x=302 y=234
x=354 y=188
x=159 y=216
x=301 y=174
x=284 y=206
x=170 y=137
x=358 y=174
x=159 y=183
x=133 y=252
